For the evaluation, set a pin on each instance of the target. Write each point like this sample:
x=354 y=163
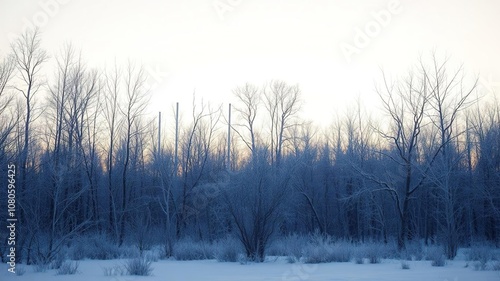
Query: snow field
x=275 y=268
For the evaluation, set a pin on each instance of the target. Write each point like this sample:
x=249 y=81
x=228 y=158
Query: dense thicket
x=90 y=161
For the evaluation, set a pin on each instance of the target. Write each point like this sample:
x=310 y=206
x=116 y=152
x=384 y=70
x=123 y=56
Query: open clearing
x=272 y=269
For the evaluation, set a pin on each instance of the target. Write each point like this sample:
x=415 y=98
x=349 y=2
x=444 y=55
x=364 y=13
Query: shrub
x=41 y=267
x=496 y=266
x=78 y=252
x=341 y=252
x=323 y=250
x=152 y=256
x=479 y=266
x=439 y=261
x=102 y=249
x=191 y=250
x=228 y=250
x=96 y=247
x=243 y=259
x=138 y=266
x=414 y=250
x=374 y=253
x=481 y=253
x=129 y=252
x=405 y=264
x=359 y=254
x=291 y=259
x=389 y=250
x=68 y=268
x=436 y=256
x=291 y=245
x=316 y=254
x=58 y=261
x=359 y=260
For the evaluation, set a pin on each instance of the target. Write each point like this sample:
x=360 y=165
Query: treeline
x=89 y=161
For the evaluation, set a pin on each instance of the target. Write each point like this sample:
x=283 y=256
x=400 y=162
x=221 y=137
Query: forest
x=91 y=161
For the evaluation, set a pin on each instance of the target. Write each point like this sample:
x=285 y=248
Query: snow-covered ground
x=272 y=269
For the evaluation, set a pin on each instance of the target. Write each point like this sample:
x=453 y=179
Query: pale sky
x=215 y=45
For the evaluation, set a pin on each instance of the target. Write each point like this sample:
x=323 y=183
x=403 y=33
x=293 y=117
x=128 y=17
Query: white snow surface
x=273 y=269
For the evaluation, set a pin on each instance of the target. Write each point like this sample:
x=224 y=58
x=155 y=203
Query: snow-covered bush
x=486 y=265
x=482 y=253
x=291 y=259
x=40 y=267
x=342 y=252
x=322 y=249
x=359 y=254
x=405 y=264
x=374 y=252
x=496 y=266
x=153 y=255
x=479 y=265
x=68 y=268
x=436 y=255
x=359 y=260
x=439 y=260
x=40 y=263
x=96 y=247
x=78 y=251
x=58 y=261
x=243 y=259
x=138 y=266
x=291 y=245
x=317 y=254
x=129 y=252
x=228 y=250
x=192 y=250
x=413 y=251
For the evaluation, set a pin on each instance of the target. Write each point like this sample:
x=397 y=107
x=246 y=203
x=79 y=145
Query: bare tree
x=406 y=104
x=250 y=99
x=136 y=100
x=484 y=196
x=113 y=122
x=197 y=146
x=313 y=194
x=7 y=67
x=283 y=104
x=255 y=198
x=447 y=98
x=7 y=122
x=72 y=96
x=29 y=57
x=88 y=136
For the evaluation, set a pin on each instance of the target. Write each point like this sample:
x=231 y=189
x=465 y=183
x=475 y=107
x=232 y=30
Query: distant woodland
x=90 y=160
